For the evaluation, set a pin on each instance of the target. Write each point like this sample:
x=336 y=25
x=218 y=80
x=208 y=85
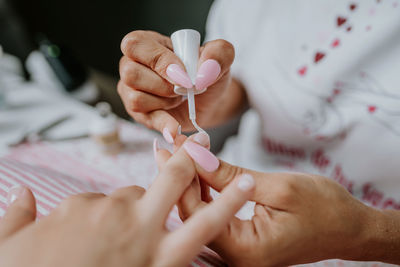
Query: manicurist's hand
x=125 y=228
x=149 y=69
x=299 y=218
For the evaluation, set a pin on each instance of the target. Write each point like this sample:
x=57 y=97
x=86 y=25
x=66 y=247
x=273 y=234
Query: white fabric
x=323 y=79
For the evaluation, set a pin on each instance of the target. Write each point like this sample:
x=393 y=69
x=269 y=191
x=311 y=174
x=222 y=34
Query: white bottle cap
x=186 y=44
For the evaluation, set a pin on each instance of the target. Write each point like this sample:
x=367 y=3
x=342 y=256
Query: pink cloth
x=56 y=171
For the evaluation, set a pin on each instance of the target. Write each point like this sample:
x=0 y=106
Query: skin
x=147 y=92
x=299 y=218
x=125 y=228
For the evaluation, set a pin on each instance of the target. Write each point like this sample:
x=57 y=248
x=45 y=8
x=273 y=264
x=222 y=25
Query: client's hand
x=299 y=218
x=126 y=228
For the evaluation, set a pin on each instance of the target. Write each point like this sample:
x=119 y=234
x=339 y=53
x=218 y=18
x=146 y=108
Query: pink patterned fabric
x=56 y=171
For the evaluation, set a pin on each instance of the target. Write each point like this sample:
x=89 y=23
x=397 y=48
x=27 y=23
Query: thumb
x=20 y=213
x=218 y=174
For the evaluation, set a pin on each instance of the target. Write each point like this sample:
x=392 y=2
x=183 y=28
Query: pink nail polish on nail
x=202 y=156
x=155 y=147
x=14 y=193
x=203 y=139
x=246 y=182
x=167 y=136
x=207 y=74
x=179 y=76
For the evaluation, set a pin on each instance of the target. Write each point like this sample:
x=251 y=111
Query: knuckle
x=287 y=191
x=129 y=74
x=226 y=175
x=226 y=47
x=136 y=102
x=120 y=88
x=131 y=40
x=157 y=61
x=138 y=189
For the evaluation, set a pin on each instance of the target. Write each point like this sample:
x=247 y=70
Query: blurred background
x=73 y=46
x=89 y=33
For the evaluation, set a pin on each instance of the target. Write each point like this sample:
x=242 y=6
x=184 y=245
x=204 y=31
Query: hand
x=298 y=218
x=149 y=70
x=126 y=228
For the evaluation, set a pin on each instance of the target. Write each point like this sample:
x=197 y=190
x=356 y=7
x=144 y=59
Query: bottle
x=104 y=130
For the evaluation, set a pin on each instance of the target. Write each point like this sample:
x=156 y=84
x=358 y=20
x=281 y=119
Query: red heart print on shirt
x=341 y=21
x=352 y=7
x=371 y=109
x=335 y=43
x=318 y=56
x=302 y=71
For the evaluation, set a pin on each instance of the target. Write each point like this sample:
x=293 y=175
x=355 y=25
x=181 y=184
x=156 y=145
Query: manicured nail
x=179 y=76
x=167 y=135
x=155 y=147
x=207 y=74
x=179 y=129
x=246 y=182
x=202 y=156
x=203 y=139
x=15 y=193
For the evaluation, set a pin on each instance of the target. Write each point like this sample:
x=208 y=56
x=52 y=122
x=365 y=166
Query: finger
x=205 y=192
x=129 y=193
x=20 y=213
x=198 y=190
x=173 y=179
x=215 y=61
x=159 y=120
x=211 y=220
x=136 y=75
x=138 y=101
x=179 y=140
x=161 y=155
x=272 y=189
x=150 y=50
x=191 y=200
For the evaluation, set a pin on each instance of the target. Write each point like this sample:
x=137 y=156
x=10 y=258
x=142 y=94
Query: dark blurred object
x=14 y=37
x=66 y=67
x=93 y=29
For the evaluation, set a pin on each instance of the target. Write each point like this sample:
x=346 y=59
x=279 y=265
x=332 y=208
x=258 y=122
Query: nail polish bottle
x=186 y=44
x=104 y=130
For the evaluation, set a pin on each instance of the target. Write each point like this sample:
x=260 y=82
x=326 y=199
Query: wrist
x=380 y=238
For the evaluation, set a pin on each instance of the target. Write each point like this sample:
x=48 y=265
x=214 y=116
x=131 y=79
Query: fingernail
x=207 y=74
x=203 y=139
x=167 y=135
x=246 y=182
x=155 y=147
x=179 y=129
x=15 y=193
x=179 y=76
x=202 y=156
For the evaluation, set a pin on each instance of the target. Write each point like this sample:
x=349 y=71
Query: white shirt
x=323 y=81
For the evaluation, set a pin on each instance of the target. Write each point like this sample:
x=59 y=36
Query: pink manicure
x=202 y=156
x=14 y=193
x=167 y=135
x=203 y=139
x=207 y=74
x=179 y=76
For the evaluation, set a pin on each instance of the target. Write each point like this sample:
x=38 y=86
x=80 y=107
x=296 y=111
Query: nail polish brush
x=186 y=44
